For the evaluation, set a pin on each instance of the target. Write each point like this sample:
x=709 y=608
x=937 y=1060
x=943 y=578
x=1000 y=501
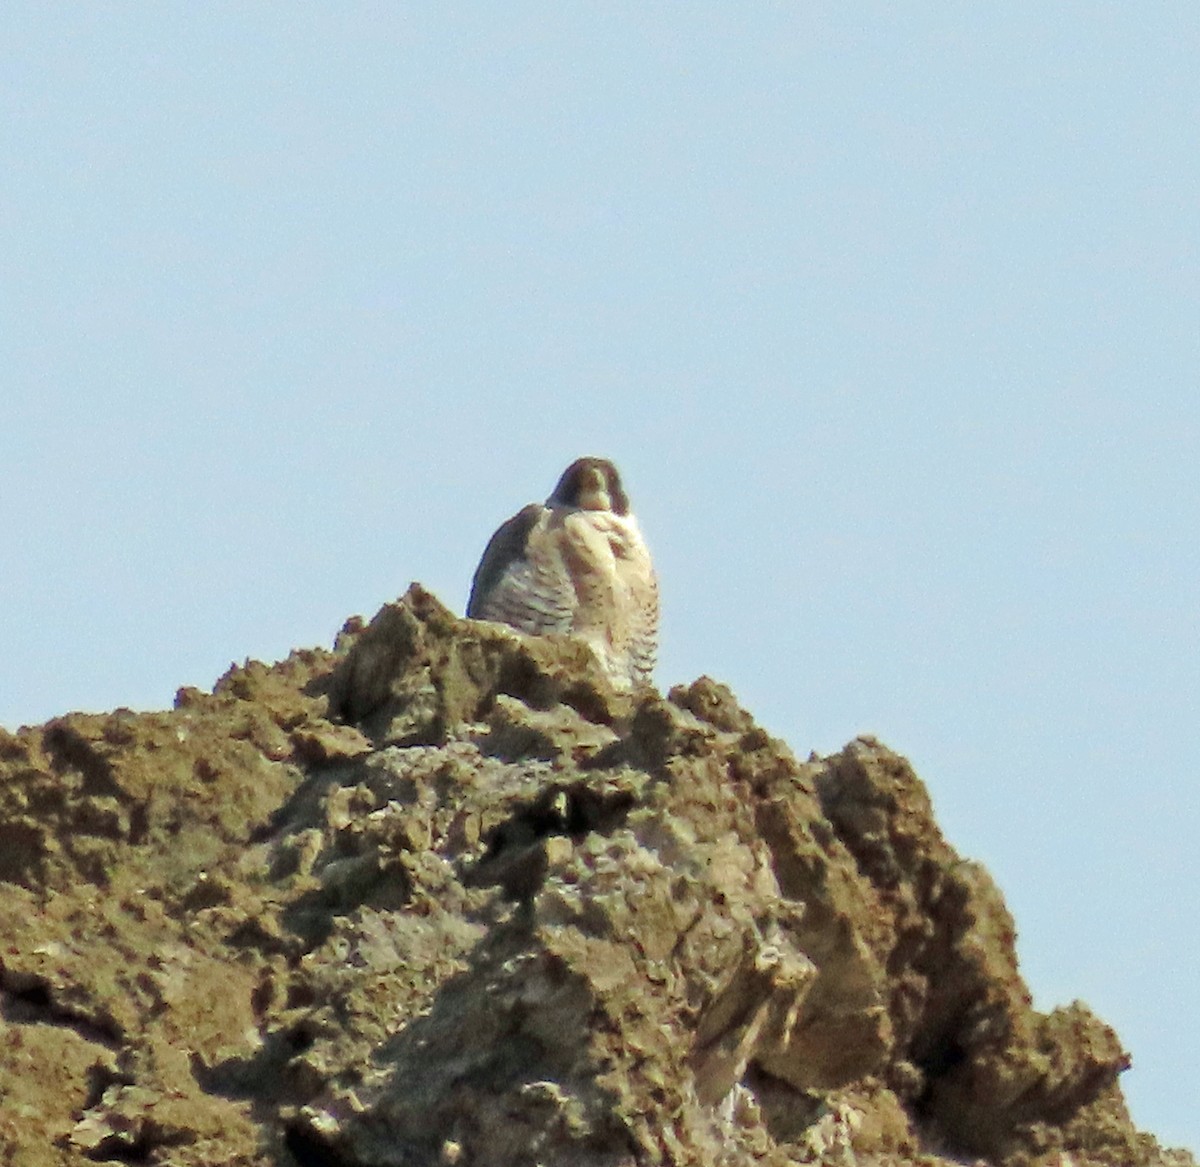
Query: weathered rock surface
x=442 y=896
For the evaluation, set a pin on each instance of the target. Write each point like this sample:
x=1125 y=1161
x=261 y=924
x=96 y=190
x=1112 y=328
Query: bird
x=578 y=565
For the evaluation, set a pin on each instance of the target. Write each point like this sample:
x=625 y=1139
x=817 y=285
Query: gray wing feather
x=505 y=548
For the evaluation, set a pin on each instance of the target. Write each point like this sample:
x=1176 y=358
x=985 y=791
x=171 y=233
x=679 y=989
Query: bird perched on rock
x=576 y=565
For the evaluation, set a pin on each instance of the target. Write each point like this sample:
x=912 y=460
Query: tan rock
x=442 y=896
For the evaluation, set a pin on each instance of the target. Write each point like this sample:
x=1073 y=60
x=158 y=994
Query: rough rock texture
x=442 y=896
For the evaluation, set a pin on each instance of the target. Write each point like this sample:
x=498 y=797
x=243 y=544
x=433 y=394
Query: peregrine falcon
x=576 y=565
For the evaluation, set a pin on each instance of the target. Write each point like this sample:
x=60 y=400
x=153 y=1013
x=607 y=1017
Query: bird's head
x=592 y=484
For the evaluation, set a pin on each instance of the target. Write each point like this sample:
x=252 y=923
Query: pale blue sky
x=889 y=314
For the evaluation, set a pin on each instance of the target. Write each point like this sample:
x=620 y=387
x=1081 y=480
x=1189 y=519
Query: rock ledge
x=442 y=896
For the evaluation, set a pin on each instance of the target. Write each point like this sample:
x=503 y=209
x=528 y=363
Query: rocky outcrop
x=442 y=896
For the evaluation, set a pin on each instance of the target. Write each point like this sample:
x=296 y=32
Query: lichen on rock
x=442 y=896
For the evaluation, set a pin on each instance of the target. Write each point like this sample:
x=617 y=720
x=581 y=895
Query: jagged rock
x=443 y=896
